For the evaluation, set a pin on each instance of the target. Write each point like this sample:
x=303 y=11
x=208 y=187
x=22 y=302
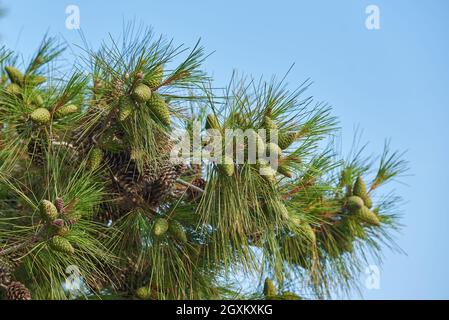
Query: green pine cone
x=359 y=188
x=126 y=107
x=35 y=80
x=160 y=227
x=227 y=166
x=61 y=244
x=66 y=110
x=14 y=89
x=63 y=231
x=154 y=79
x=14 y=75
x=41 y=116
x=177 y=231
x=289 y=296
x=73 y=217
x=354 y=203
x=212 y=122
x=38 y=100
x=143 y=293
x=368 y=202
x=285 y=171
x=257 y=144
x=368 y=216
x=95 y=158
x=260 y=144
x=273 y=149
x=58 y=227
x=266 y=172
x=142 y=93
x=286 y=139
x=270 y=178
x=308 y=231
x=48 y=210
x=346 y=245
x=241 y=120
x=269 y=289
x=159 y=108
x=269 y=124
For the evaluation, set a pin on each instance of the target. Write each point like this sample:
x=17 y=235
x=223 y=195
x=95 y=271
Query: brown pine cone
x=107 y=213
x=197 y=169
x=156 y=192
x=104 y=216
x=35 y=152
x=125 y=278
x=15 y=258
x=17 y=291
x=97 y=283
x=193 y=194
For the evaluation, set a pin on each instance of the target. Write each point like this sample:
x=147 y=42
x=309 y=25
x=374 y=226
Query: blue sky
x=392 y=82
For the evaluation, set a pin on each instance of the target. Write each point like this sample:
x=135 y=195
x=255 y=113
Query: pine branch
x=37 y=237
x=98 y=139
x=187 y=184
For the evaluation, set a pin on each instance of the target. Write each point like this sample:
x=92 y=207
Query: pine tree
x=86 y=179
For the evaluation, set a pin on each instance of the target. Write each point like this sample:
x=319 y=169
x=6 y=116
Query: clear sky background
x=392 y=82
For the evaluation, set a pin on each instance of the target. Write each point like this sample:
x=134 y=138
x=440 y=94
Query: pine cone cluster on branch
x=13 y=290
x=87 y=180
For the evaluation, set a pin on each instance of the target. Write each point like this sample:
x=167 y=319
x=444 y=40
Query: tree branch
x=185 y=183
x=24 y=244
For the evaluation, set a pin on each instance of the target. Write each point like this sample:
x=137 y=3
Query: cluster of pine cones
x=137 y=185
x=147 y=187
x=12 y=290
x=151 y=185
